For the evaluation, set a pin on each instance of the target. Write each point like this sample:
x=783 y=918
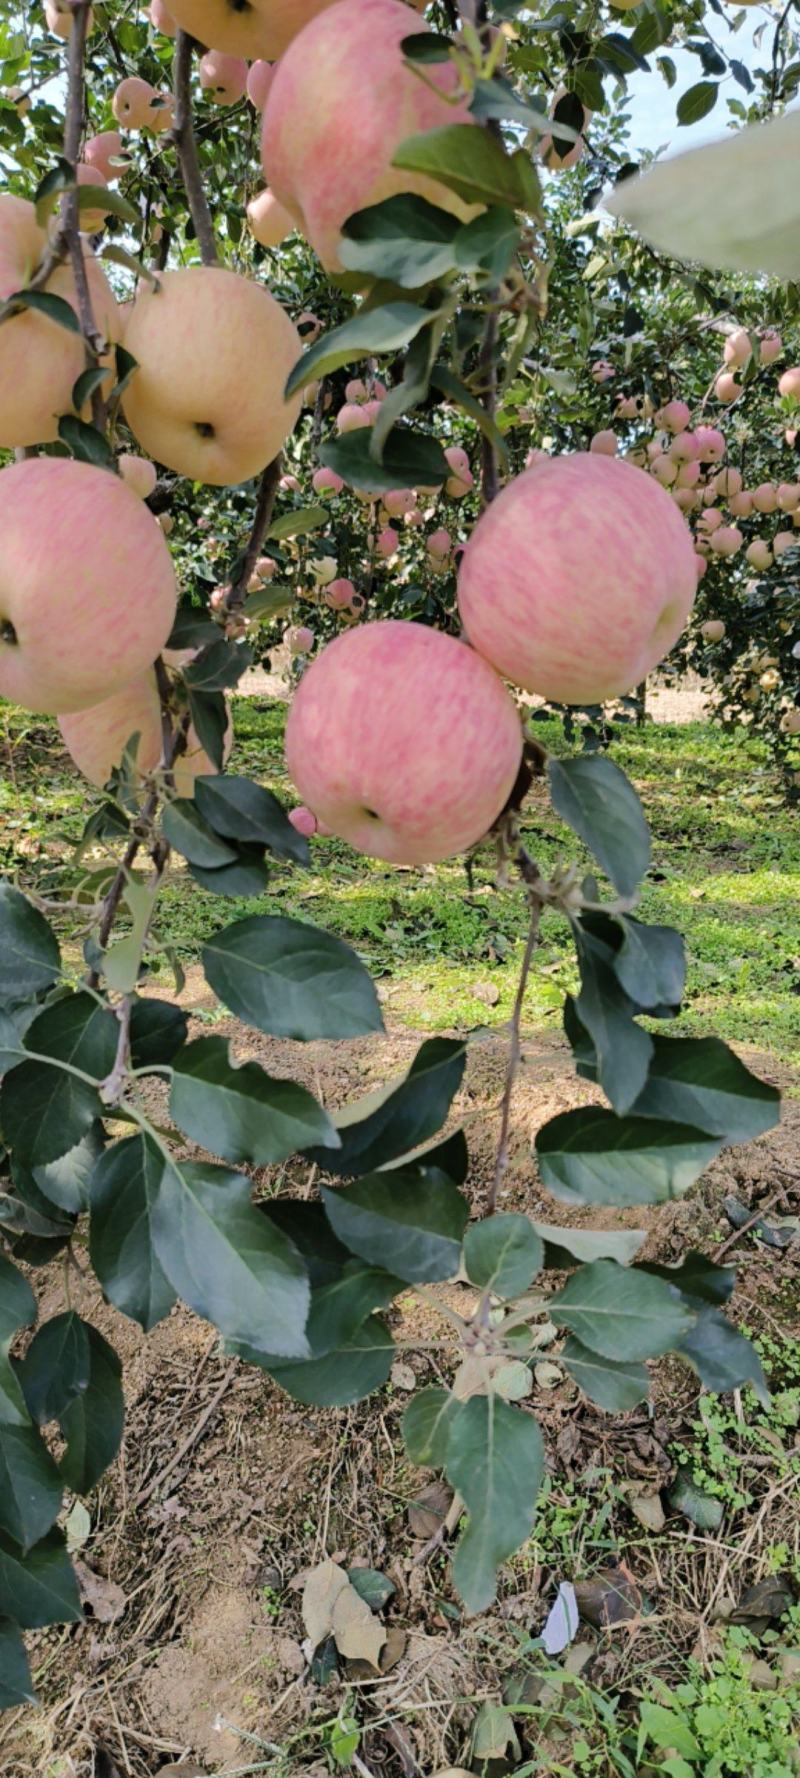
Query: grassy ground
x=726 y=871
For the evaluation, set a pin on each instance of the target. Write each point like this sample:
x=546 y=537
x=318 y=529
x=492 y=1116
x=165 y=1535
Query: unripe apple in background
x=323 y=569
x=397 y=501
x=404 y=742
x=683 y=448
x=789 y=383
x=627 y=407
x=342 y=100
x=727 y=482
x=302 y=819
x=259 y=81
x=782 y=541
x=265 y=567
x=712 y=630
x=604 y=444
x=726 y=388
x=161 y=18
x=40 y=360
x=91 y=221
x=664 y=470
x=258 y=28
x=790 y=722
x=101 y=150
x=601 y=371
x=674 y=416
x=96 y=738
x=578 y=579
x=387 y=542
x=759 y=554
x=289 y=484
x=87 y=588
x=689 y=475
x=138 y=473
x=223 y=77
x=301 y=640
x=326 y=481
x=439 y=544
x=737 y=350
x=351 y=417
x=132 y=101
x=770 y=347
x=340 y=594
x=711 y=445
x=727 y=540
x=788 y=496
x=213 y=352
x=268 y=222
x=458 y=461
x=765 y=497
x=741 y=504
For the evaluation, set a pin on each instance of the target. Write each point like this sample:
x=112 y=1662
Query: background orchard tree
x=319 y=446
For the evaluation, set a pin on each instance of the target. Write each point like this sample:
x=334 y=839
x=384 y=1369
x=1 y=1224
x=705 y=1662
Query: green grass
x=726 y=871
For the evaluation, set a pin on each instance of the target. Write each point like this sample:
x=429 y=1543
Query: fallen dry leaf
x=332 y=1607
x=104 y=1598
x=610 y=1597
x=430 y=1509
x=648 y=1510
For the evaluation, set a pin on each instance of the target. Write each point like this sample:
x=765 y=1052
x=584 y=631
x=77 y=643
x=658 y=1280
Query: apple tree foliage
x=169 y=1205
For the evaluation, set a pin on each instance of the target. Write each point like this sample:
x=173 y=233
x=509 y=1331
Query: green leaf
x=615 y=1386
x=502 y=1254
x=341 y=1306
x=60 y=178
x=622 y=1050
x=290 y=980
x=240 y=1112
x=124 y=362
x=450 y=385
x=87 y=382
x=29 y=956
x=30 y=1489
x=472 y=163
x=92 y=197
x=92 y=1424
x=375 y=1589
x=665 y=1728
x=158 y=1028
x=601 y=806
x=370 y=331
x=426 y=47
x=722 y=1356
x=17 y=1301
x=65 y=1181
x=38 y=1587
x=698 y=1279
x=49 y=1110
x=76 y=1030
x=496 y=99
x=308 y=1228
x=705 y=1511
x=590 y=1156
x=246 y=878
x=450 y=1156
x=209 y=716
x=243 y=811
x=495 y=1459
x=346 y=1374
x=124 y=1189
x=227 y=1262
x=488 y=243
x=14 y=1023
x=297 y=523
x=54 y=308
x=415 y=1222
x=697 y=101
x=405 y=240
x=56 y=1367
x=621 y=1312
x=398 y=1118
x=409 y=460
x=85 y=443
x=186 y=830
x=16 y=1685
x=565 y=1246
x=218 y=668
x=699 y=1081
x=650 y=964
x=426 y=1426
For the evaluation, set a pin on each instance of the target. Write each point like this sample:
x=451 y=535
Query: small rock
x=548 y=1375
x=648 y=1510
x=402 y=1376
x=487 y=992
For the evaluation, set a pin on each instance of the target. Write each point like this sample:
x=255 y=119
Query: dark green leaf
x=246 y=878
x=47 y=1111
x=450 y=385
x=495 y=98
x=722 y=1356
x=613 y=1386
x=87 y=382
x=621 y=1312
x=218 y=668
x=474 y=164
x=308 y=1228
x=53 y=307
x=341 y=1306
x=14 y=1022
x=565 y=1248
x=228 y=1262
x=426 y=1426
x=60 y=178
x=30 y=1490
x=370 y=331
x=502 y=1254
x=17 y=1301
x=426 y=47
x=89 y=198
x=375 y=1589
x=124 y=362
x=409 y=460
x=243 y=811
x=16 y=1685
x=489 y=244
x=290 y=980
x=415 y=1222
x=86 y=444
x=698 y=1279
x=297 y=523
x=494 y=1457
x=451 y=1156
x=697 y=101
x=699 y=1081
x=65 y=1181
x=190 y=835
x=192 y=629
x=29 y=956
x=590 y=1156
x=124 y=1189
x=622 y=1049
x=650 y=964
x=157 y=1029
x=397 y=1119
x=240 y=1112
x=347 y=1374
x=601 y=806
x=38 y=1587
x=209 y=716
x=705 y=1511
x=92 y=1424
x=56 y=1367
x=77 y=1030
x=405 y=239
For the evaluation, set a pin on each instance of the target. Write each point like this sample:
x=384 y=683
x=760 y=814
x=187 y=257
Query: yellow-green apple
x=790 y=722
x=789 y=383
x=213 y=352
x=788 y=496
x=711 y=446
x=96 y=738
x=323 y=569
x=765 y=497
x=87 y=588
x=139 y=473
x=251 y=28
x=166 y=522
x=223 y=77
x=342 y=100
x=665 y=470
x=770 y=346
x=404 y=742
x=738 y=349
x=101 y=151
x=578 y=579
x=759 y=554
x=604 y=444
x=259 y=81
x=727 y=540
x=161 y=18
x=726 y=388
x=712 y=630
x=40 y=360
x=59 y=18
x=132 y=101
x=269 y=223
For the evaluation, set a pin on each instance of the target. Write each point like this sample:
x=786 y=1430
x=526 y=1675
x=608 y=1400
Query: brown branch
x=73 y=127
x=501 y=1161
x=184 y=139
x=268 y=488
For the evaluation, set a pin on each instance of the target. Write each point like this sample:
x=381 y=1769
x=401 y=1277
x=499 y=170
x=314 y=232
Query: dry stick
x=267 y=490
x=501 y=1162
x=184 y=139
x=762 y=1211
x=73 y=126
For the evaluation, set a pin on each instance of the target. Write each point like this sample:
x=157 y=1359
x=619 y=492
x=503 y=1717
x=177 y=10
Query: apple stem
x=184 y=139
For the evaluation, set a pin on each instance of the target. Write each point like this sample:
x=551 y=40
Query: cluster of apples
x=573 y=585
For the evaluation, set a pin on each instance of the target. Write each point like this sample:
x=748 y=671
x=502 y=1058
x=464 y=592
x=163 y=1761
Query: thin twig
x=501 y=1162
x=184 y=139
x=73 y=127
x=762 y=1211
x=265 y=501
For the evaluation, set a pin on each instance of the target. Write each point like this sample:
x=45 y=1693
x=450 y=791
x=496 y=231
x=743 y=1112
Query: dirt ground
x=227 y=1492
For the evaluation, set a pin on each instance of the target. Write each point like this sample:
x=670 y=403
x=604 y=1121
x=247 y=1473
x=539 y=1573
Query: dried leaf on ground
x=331 y=1606
x=610 y=1597
x=766 y=1599
x=428 y=1512
x=392 y=1652
x=105 y=1599
x=648 y=1510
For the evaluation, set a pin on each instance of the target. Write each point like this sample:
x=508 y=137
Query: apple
x=102 y=150
x=323 y=569
x=759 y=554
x=259 y=81
x=710 y=519
x=727 y=540
x=339 y=594
x=711 y=446
x=741 y=504
x=439 y=544
x=578 y=579
x=40 y=360
x=269 y=223
x=138 y=473
x=301 y=640
x=387 y=543
x=87 y=587
x=289 y=484
x=674 y=416
x=683 y=448
x=727 y=482
x=161 y=115
x=397 y=501
x=404 y=742
x=788 y=496
x=726 y=388
x=326 y=481
x=167 y=523
x=302 y=819
x=790 y=722
x=59 y=18
x=342 y=100
x=161 y=18
x=770 y=346
x=223 y=77
x=601 y=371
x=664 y=469
x=700 y=566
x=627 y=407
x=132 y=101
x=604 y=444
x=351 y=416
x=765 y=497
x=713 y=629
x=265 y=567
x=789 y=383
x=213 y=352
x=570 y=153
x=686 y=498
x=96 y=738
x=737 y=350
x=688 y=475
x=356 y=390
x=250 y=28
x=782 y=541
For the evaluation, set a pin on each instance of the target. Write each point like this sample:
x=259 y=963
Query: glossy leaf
x=158 y=1029
x=408 y=459
x=697 y=101
x=344 y=1375
x=722 y=1356
x=38 y=1586
x=218 y=668
x=650 y=963
x=29 y=955
x=246 y=878
x=566 y=1247
x=621 y=1312
x=92 y=1424
x=51 y=1110
x=246 y=812
x=417 y=1223
x=307 y=1227
x=474 y=164
x=614 y=1385
x=370 y=331
x=30 y=1489
x=290 y=980
x=17 y=1301
x=240 y=1112
x=699 y=1081
x=502 y=1253
x=124 y=1189
x=65 y=1181
x=56 y=1367
x=698 y=1279
x=191 y=835
x=16 y=1685
x=590 y=1156
x=601 y=806
x=622 y=1050
x=404 y=239
x=399 y=1117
